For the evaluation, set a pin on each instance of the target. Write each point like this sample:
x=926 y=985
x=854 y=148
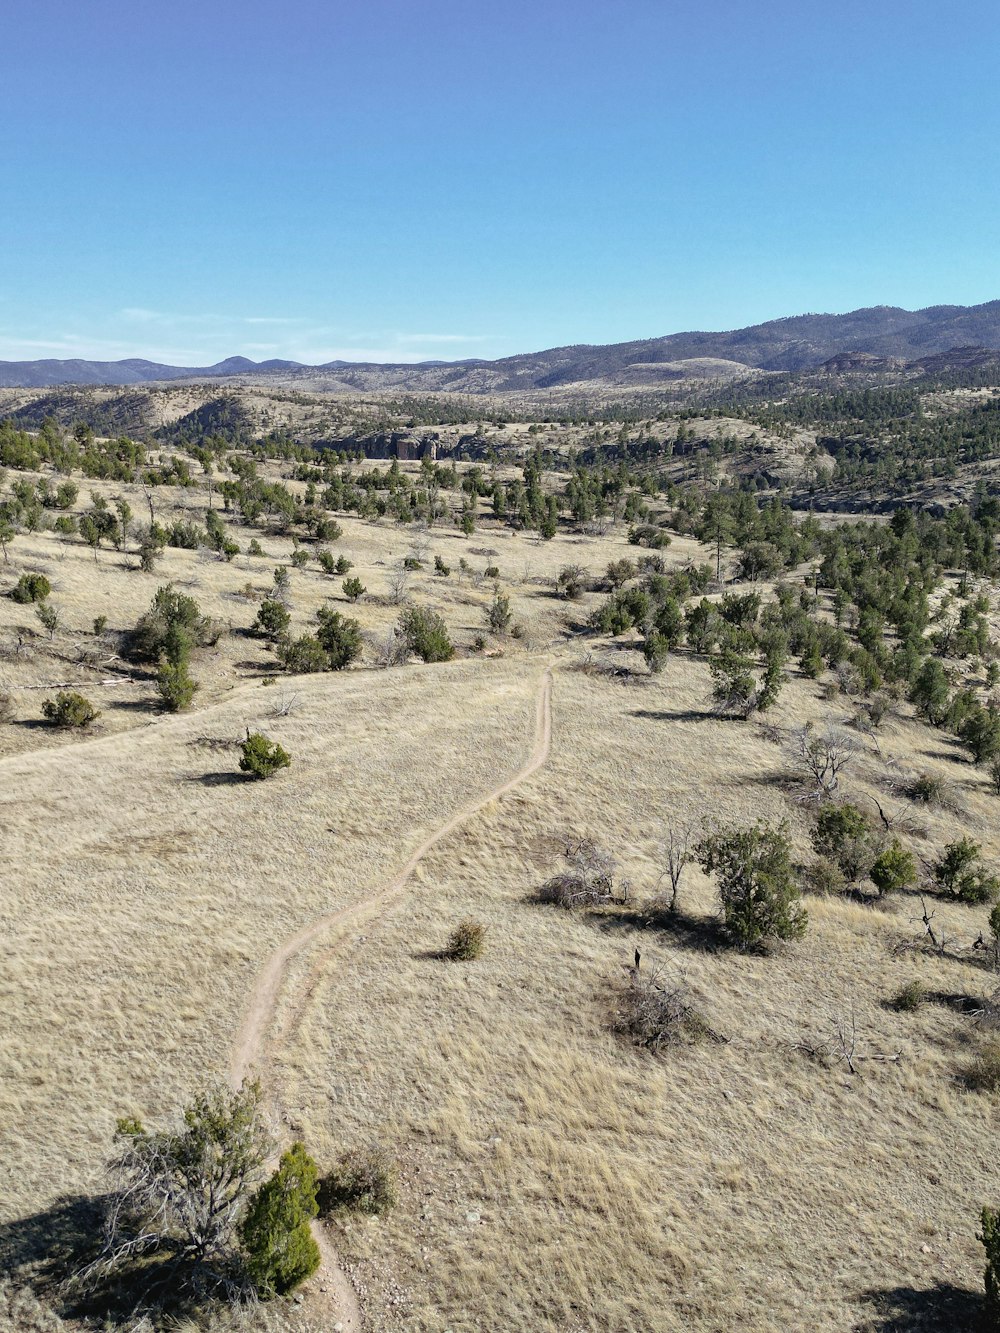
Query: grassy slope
x=555 y=1180
x=150 y=886
x=724 y=1185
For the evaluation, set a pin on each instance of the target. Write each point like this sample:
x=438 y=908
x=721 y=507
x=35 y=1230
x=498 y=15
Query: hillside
x=644 y=640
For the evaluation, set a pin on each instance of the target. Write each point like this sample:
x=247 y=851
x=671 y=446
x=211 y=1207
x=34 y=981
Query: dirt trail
x=335 y=1290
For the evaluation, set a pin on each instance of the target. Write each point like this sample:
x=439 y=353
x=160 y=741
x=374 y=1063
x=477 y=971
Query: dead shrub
x=987 y=1016
x=609 y=667
x=363 y=1180
x=983 y=1074
x=823 y=877
x=656 y=1012
x=589 y=878
x=771 y=733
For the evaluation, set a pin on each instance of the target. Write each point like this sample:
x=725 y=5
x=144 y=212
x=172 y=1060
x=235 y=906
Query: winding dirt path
x=340 y=1298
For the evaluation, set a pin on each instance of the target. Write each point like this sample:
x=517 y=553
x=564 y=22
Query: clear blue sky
x=418 y=179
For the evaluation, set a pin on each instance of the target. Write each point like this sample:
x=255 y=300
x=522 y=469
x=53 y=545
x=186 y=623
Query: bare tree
x=841 y=1046
x=676 y=853
x=823 y=757
x=181 y=1195
x=927 y=917
x=388 y=649
x=420 y=544
x=399 y=581
x=284 y=705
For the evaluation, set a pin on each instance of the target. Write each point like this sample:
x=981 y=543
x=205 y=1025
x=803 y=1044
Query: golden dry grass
x=553 y=1179
x=149 y=885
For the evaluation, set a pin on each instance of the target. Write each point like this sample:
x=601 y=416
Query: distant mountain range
x=800 y=342
x=47 y=373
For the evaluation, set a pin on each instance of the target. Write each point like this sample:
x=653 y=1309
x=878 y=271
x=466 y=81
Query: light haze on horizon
x=403 y=182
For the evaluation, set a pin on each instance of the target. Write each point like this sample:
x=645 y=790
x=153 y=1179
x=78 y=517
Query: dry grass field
x=553 y=1178
x=557 y=1180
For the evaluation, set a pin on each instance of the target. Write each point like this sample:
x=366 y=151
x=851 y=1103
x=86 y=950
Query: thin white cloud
x=444 y=337
x=13 y=345
x=140 y=315
x=317 y=355
x=173 y=319
x=71 y=345
x=135 y=332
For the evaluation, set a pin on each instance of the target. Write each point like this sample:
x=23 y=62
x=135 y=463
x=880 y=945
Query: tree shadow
x=949 y=749
x=673 y=715
x=42 y=1252
x=134 y=706
x=701 y=934
x=942 y=1308
x=43 y=1249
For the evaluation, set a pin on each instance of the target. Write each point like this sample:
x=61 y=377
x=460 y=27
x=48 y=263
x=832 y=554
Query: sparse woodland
x=696 y=1025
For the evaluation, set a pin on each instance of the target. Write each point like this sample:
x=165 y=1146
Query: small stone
x=472 y=1217
x=338 y=1327
x=925 y=1249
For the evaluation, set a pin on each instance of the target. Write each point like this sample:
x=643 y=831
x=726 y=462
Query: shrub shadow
x=220 y=779
x=972 y=956
x=942 y=1308
x=775 y=777
x=960 y=1001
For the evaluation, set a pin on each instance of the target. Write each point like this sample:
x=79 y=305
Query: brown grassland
x=552 y=1178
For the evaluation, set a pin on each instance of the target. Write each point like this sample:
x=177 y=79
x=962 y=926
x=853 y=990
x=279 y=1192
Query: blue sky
x=434 y=180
